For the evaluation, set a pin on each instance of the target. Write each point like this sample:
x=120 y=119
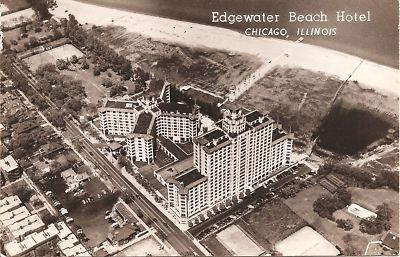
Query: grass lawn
x=51 y=56
x=371 y=198
x=302 y=204
x=15 y=18
x=271 y=223
x=94 y=91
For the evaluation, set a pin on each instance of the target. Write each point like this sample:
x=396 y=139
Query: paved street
x=179 y=240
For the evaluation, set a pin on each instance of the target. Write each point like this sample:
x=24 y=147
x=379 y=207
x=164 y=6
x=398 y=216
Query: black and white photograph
x=199 y=128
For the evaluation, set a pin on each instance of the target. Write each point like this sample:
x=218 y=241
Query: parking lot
x=87 y=210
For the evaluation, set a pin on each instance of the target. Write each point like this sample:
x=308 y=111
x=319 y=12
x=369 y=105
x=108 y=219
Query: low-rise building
x=30 y=242
x=9 y=203
x=391 y=241
x=11 y=168
x=26 y=226
x=123 y=235
x=69 y=243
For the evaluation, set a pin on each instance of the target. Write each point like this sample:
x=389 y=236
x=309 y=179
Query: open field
x=298 y=98
x=51 y=56
x=271 y=223
x=145 y=247
x=94 y=91
x=213 y=70
x=14 y=4
x=19 y=38
x=237 y=242
x=302 y=205
x=13 y=19
x=356 y=109
x=306 y=242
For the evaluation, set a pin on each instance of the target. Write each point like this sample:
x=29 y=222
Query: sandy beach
x=375 y=76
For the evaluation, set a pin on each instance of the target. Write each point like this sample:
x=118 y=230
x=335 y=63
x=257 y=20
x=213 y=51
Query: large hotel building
x=243 y=151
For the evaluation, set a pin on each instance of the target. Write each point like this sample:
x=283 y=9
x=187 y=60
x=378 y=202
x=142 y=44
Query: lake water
x=376 y=40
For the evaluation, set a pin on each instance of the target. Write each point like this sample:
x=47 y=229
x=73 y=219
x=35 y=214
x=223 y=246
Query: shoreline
x=382 y=78
x=346 y=41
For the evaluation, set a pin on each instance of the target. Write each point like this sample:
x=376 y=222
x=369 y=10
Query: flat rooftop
x=8 y=164
x=278 y=133
x=175 y=167
x=172 y=148
x=121 y=104
x=175 y=108
x=143 y=123
x=213 y=139
x=189 y=177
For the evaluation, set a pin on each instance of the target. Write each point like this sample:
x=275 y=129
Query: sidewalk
x=168 y=248
x=49 y=207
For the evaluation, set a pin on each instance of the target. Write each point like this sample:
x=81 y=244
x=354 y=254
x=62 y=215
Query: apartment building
x=139 y=122
x=177 y=122
x=119 y=117
x=140 y=144
x=242 y=153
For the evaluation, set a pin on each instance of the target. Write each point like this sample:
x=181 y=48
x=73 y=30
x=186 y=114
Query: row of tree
x=104 y=56
x=361 y=177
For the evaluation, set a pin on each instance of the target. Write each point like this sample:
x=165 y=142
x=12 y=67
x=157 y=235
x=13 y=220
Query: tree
x=33 y=42
x=23 y=193
x=74 y=59
x=23 y=29
x=390 y=179
x=117 y=90
x=344 y=196
x=57 y=34
x=61 y=64
x=85 y=65
x=41 y=8
x=107 y=83
x=345 y=224
x=73 y=105
x=371 y=226
x=39 y=102
x=384 y=212
x=56 y=118
x=96 y=71
x=46 y=68
x=376 y=225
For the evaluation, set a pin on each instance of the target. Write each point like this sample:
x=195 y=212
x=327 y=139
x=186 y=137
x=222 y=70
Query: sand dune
x=381 y=78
